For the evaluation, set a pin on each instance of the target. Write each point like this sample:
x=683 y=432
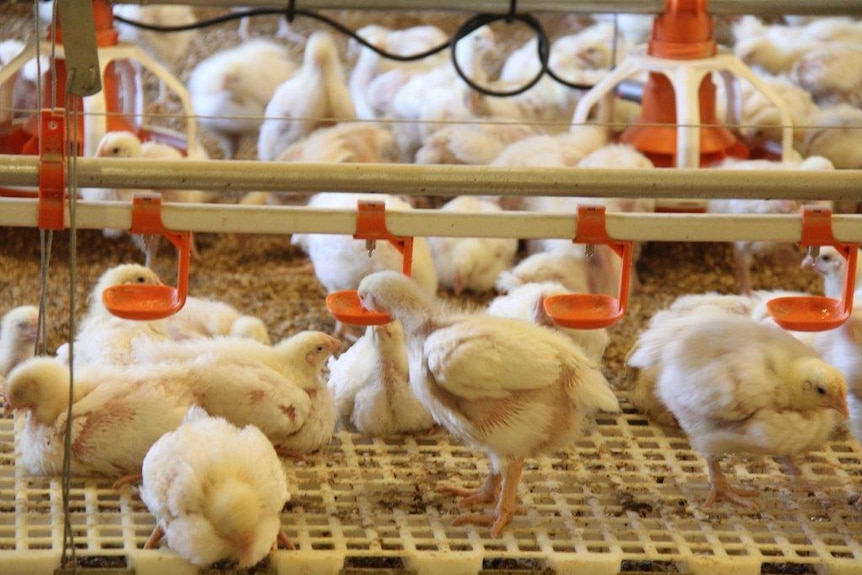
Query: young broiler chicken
x=834 y=133
x=279 y=389
x=739 y=386
x=230 y=89
x=216 y=491
x=315 y=96
x=207 y=318
x=526 y=302
x=18 y=330
x=124 y=144
x=103 y=338
x=117 y=415
x=832 y=74
x=167 y=49
x=842 y=348
x=374 y=80
x=371 y=388
x=505 y=386
x=833 y=267
x=471 y=264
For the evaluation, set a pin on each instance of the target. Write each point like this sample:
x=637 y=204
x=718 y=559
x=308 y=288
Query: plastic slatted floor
x=627 y=497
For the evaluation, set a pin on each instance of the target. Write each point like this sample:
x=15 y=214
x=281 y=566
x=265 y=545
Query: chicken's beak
x=7 y=409
x=334 y=344
x=808 y=262
x=840 y=405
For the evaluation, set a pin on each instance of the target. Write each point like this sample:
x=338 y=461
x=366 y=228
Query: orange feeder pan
x=593 y=311
x=817 y=313
x=150 y=302
x=345 y=305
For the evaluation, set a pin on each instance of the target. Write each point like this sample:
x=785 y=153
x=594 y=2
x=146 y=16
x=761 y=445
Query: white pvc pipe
x=445 y=180
x=757 y=7
x=223 y=218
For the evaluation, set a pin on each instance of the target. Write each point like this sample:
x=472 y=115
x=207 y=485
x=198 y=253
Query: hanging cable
x=72 y=112
x=290 y=12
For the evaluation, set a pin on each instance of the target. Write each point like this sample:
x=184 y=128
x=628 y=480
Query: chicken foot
x=283 y=540
x=720 y=489
x=155 y=537
x=507 y=504
x=489 y=492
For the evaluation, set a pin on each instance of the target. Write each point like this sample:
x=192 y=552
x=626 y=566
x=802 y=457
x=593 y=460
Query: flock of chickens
x=207 y=408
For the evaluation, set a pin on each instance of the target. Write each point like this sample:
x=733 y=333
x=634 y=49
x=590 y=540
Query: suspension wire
x=53 y=69
x=471 y=24
x=72 y=112
x=40 y=346
x=45 y=247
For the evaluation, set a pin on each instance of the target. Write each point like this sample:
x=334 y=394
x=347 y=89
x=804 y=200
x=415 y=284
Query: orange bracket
x=817 y=313
x=593 y=311
x=344 y=305
x=149 y=302
x=52 y=170
x=371 y=226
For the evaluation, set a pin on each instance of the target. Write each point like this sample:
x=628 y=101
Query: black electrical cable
x=479 y=20
x=290 y=12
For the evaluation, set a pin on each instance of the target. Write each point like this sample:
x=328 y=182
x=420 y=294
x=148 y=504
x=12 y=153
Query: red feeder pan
x=371 y=226
x=817 y=313
x=150 y=302
x=587 y=310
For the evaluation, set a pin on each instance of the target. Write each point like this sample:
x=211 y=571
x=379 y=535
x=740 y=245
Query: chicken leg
x=720 y=489
x=488 y=493
x=155 y=537
x=507 y=503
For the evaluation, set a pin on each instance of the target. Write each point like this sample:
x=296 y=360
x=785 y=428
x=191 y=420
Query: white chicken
x=340 y=262
x=570 y=270
x=18 y=329
x=125 y=144
x=834 y=133
x=760 y=124
x=832 y=74
x=113 y=424
x=230 y=89
x=371 y=388
x=471 y=264
x=744 y=251
x=206 y=318
x=562 y=150
x=527 y=303
x=739 y=386
x=642 y=370
x=505 y=386
x=349 y=142
x=842 y=348
x=280 y=389
x=216 y=491
x=103 y=338
x=774 y=48
x=169 y=49
x=374 y=80
x=472 y=144
x=833 y=267
x=315 y=96
x=429 y=100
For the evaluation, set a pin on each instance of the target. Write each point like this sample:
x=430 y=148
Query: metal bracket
x=52 y=170
x=79 y=47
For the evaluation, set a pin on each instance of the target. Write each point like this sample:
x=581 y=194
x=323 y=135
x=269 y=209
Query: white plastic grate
x=627 y=497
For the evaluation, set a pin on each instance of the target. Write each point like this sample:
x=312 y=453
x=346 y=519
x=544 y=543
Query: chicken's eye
x=141 y=279
x=826 y=258
x=115 y=150
x=320 y=347
x=820 y=390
